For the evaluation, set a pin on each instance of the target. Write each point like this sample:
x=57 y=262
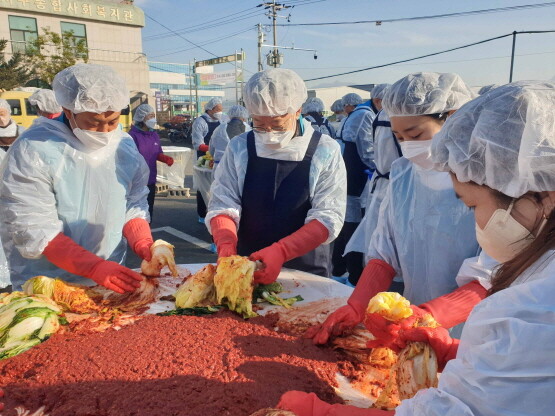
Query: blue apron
x=356 y=177
x=275 y=204
x=212 y=125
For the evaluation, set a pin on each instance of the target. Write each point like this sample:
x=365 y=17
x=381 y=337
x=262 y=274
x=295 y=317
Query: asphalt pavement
x=175 y=220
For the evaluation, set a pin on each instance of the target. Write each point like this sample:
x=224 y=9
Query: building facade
x=111 y=30
x=173 y=87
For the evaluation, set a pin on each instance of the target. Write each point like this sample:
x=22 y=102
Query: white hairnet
x=351 y=99
x=487 y=88
x=90 y=88
x=379 y=91
x=425 y=93
x=238 y=111
x=314 y=105
x=45 y=100
x=337 y=106
x=504 y=139
x=142 y=111
x=212 y=103
x=6 y=105
x=274 y=92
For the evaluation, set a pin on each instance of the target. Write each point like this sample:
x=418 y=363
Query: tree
x=12 y=72
x=51 y=52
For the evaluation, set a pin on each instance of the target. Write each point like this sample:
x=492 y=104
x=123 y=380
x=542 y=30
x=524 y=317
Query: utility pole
x=273 y=9
x=260 y=42
x=512 y=57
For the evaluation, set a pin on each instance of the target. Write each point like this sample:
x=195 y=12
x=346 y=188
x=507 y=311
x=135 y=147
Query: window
x=31 y=109
x=22 y=31
x=16 y=107
x=79 y=31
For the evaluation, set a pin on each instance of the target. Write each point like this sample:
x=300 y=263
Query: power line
x=437 y=16
x=204 y=27
x=228 y=36
x=431 y=54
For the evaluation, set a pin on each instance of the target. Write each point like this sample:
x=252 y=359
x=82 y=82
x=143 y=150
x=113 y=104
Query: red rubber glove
x=302 y=241
x=444 y=346
x=376 y=277
x=453 y=308
x=138 y=236
x=224 y=233
x=1 y=404
x=70 y=256
x=203 y=147
x=168 y=160
x=308 y=404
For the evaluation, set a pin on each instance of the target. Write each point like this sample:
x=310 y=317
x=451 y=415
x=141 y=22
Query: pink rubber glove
x=138 y=236
x=203 y=148
x=375 y=278
x=302 y=241
x=444 y=346
x=308 y=404
x=70 y=256
x=168 y=160
x=224 y=233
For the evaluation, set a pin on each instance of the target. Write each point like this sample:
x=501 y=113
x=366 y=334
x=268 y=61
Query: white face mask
x=151 y=123
x=418 y=152
x=218 y=115
x=93 y=140
x=504 y=237
x=275 y=140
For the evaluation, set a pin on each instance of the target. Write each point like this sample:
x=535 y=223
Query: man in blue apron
x=203 y=128
x=279 y=193
x=358 y=154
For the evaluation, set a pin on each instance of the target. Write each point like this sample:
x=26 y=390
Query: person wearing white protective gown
x=499 y=150
x=73 y=194
x=386 y=151
x=9 y=129
x=314 y=113
x=226 y=131
x=4 y=269
x=202 y=130
x=338 y=115
x=358 y=154
x=424 y=233
x=279 y=191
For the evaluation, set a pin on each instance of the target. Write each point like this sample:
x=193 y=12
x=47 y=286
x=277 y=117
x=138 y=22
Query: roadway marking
x=184 y=236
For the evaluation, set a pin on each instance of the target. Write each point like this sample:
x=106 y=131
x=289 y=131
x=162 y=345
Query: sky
x=343 y=48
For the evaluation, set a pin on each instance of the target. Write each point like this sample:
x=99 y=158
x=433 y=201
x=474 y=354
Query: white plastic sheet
x=202 y=181
x=174 y=175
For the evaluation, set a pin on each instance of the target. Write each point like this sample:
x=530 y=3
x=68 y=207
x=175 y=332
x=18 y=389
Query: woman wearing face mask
x=226 y=131
x=71 y=192
x=499 y=149
x=9 y=129
x=148 y=142
x=279 y=192
x=424 y=233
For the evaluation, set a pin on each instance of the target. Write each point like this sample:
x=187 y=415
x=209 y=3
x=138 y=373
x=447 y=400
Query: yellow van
x=23 y=112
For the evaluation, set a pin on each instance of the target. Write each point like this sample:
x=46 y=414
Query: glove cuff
x=376 y=277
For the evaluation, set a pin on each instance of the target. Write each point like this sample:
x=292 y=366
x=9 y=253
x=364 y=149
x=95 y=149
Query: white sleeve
x=219 y=142
x=137 y=204
x=227 y=189
x=330 y=190
x=27 y=201
x=382 y=244
x=478 y=268
x=200 y=129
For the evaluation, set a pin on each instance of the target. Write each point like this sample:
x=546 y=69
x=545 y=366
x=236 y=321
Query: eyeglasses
x=269 y=129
